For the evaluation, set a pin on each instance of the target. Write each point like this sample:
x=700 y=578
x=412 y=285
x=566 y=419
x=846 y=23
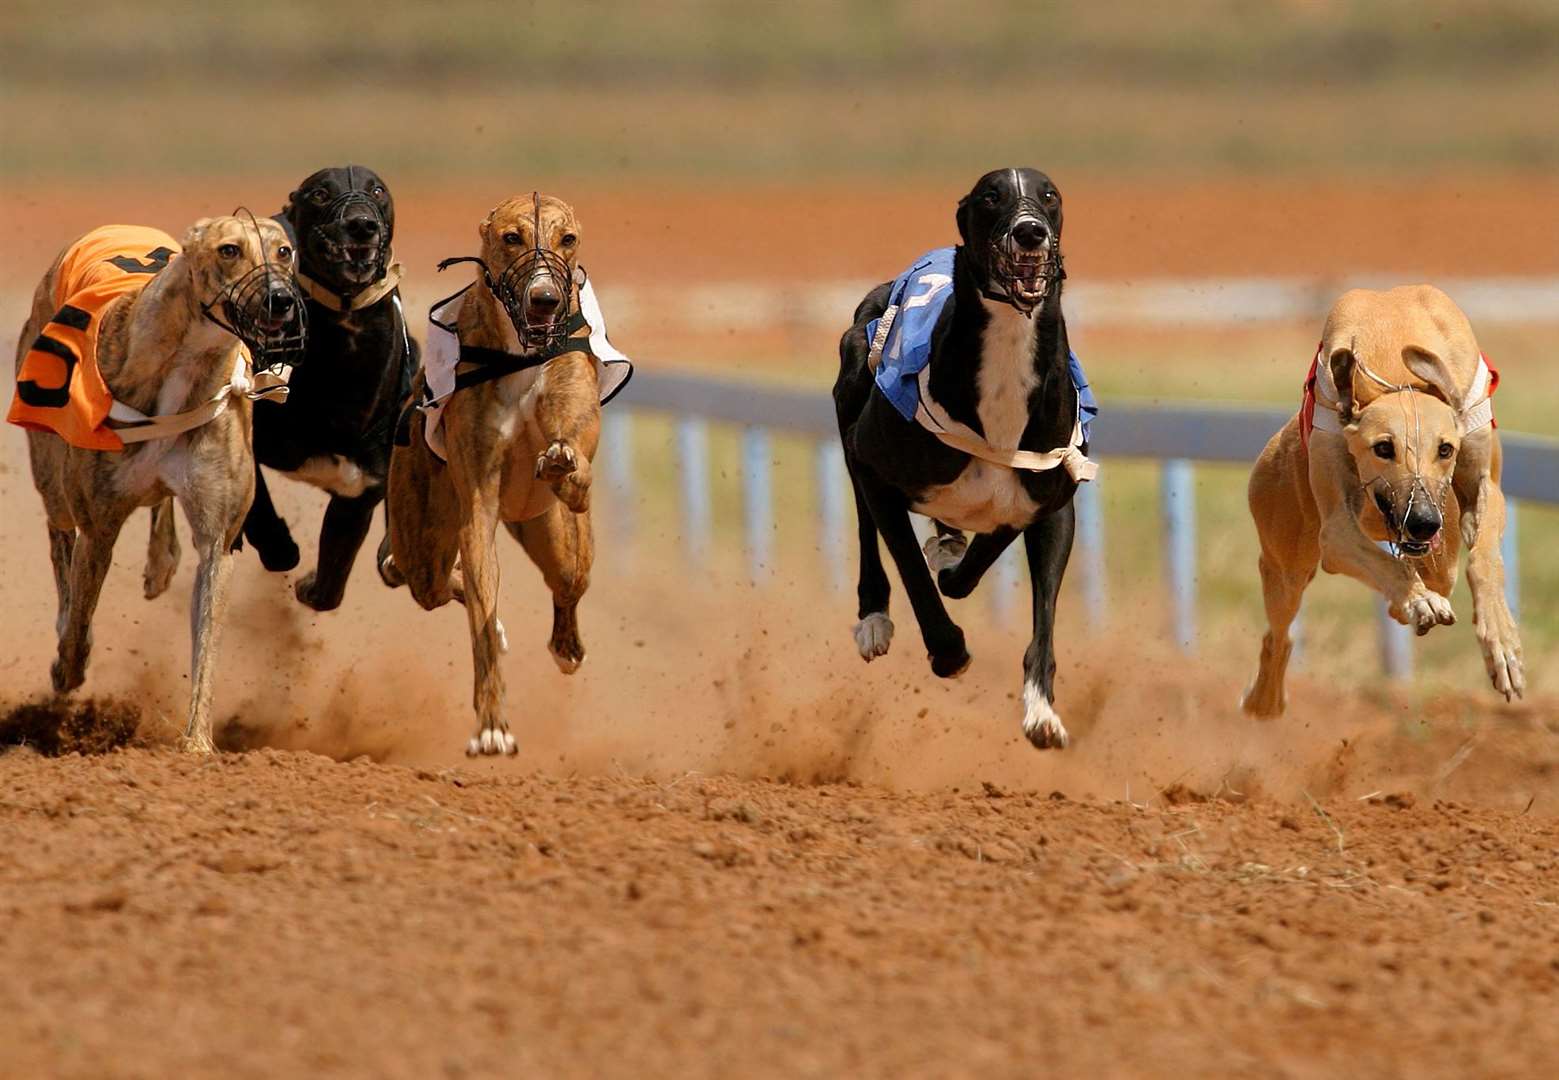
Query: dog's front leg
x=211 y=579
x=479 y=573
x=1346 y=550
x=1491 y=616
x=890 y=512
x=1048 y=544
x=346 y=525
x=568 y=413
x=90 y=558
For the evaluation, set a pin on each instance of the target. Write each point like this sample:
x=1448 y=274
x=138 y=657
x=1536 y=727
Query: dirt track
x=271 y=914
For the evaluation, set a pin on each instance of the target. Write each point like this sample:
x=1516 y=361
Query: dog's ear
x=1437 y=373
x=962 y=217
x=1342 y=364
x=485 y=230
x=291 y=207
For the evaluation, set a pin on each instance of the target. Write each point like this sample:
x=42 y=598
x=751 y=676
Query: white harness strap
x=367 y=298
x=134 y=426
x=1478 y=415
x=934 y=419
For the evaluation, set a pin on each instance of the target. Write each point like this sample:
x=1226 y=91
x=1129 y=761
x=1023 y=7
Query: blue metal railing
x=1176 y=434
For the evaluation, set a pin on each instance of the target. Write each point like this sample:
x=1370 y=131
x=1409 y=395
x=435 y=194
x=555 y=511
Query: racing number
x=155 y=260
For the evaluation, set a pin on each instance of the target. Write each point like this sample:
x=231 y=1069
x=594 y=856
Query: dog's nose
x=362 y=228
x=279 y=302
x=1422 y=523
x=1030 y=234
x=545 y=298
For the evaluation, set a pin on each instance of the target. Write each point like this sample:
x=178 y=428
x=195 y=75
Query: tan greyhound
x=1397 y=419
x=135 y=388
x=519 y=430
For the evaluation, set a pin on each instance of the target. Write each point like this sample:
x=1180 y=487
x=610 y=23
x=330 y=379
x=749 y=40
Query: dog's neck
x=1004 y=369
x=174 y=357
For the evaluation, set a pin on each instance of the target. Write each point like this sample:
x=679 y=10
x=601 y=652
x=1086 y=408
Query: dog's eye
x=228 y=251
x=1446 y=450
x=319 y=196
x=1385 y=450
x=512 y=238
x=284 y=252
x=377 y=191
x=569 y=239
x=1049 y=196
x=990 y=198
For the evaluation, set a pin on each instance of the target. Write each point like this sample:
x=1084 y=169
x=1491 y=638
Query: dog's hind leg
x=1282 y=588
x=874 y=631
x=958 y=581
x=1048 y=544
x=1287 y=526
x=560 y=543
x=162 y=551
x=265 y=529
x=90 y=558
x=890 y=511
x=346 y=525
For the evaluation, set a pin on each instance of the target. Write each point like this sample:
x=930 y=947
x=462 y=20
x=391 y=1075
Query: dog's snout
x=1422 y=522
x=365 y=229
x=545 y=297
x=1030 y=234
x=280 y=302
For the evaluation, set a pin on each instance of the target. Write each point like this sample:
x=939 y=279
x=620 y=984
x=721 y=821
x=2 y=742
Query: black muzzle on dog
x=264 y=309
x=354 y=236
x=1023 y=259
x=536 y=290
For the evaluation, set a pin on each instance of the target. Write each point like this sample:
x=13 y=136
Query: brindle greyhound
x=168 y=346
x=520 y=434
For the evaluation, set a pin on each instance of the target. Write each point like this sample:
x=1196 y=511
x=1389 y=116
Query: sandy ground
x=729 y=847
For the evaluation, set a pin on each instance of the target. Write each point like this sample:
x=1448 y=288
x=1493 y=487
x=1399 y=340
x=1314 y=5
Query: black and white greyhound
x=986 y=433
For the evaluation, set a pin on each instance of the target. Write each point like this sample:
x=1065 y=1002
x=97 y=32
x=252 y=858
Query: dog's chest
x=984 y=496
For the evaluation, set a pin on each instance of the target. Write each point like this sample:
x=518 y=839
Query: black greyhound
x=998 y=371
x=335 y=428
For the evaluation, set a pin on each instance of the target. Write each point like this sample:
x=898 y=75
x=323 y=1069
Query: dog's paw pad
x=873 y=635
x=944 y=552
x=556 y=462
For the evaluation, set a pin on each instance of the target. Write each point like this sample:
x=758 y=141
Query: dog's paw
x=1502 y=659
x=389 y=573
x=198 y=743
x=492 y=742
x=278 y=554
x=950 y=665
x=309 y=594
x=1040 y=723
x=1262 y=706
x=1424 y=612
x=66 y=677
x=944 y=552
x=157 y=576
x=556 y=462
x=873 y=635
x=567 y=653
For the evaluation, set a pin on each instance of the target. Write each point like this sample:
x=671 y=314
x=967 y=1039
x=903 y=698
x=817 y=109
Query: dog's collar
x=934 y=419
x=131 y=425
x=335 y=301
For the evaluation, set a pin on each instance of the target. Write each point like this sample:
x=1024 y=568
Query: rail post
x=693 y=462
x=758 y=500
x=1177 y=485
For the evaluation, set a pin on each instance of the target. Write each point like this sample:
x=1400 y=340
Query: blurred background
x=744 y=171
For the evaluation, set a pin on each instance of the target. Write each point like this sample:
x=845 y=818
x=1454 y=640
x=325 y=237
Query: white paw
x=1425 y=612
x=1040 y=722
x=873 y=634
x=944 y=552
x=490 y=741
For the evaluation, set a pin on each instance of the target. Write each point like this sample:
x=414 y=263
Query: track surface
x=271 y=914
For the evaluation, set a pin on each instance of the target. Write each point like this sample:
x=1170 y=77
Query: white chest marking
x=336 y=474
x=985 y=497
